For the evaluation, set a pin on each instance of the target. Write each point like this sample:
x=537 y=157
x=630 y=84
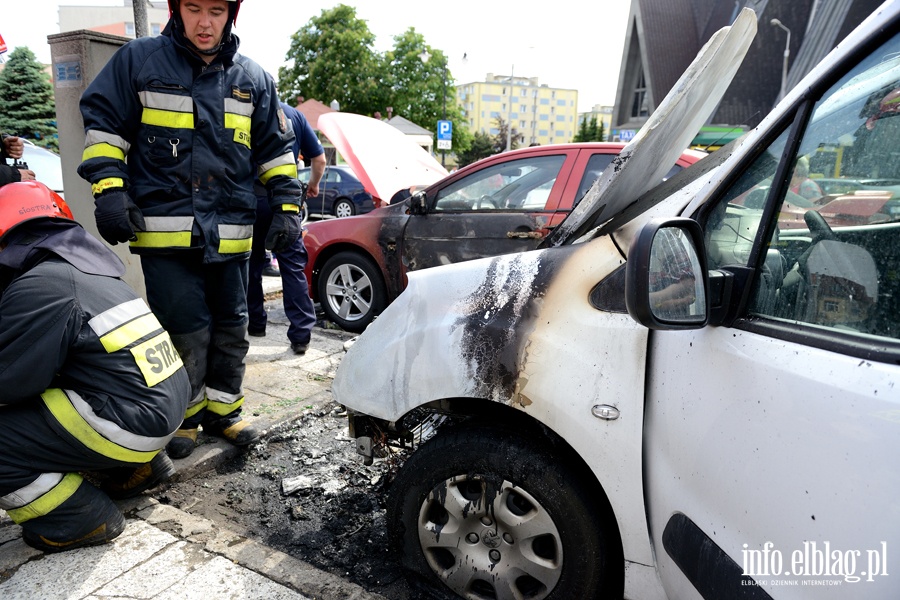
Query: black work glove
x=118 y=217
x=283 y=232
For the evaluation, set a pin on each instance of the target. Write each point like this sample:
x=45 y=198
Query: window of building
x=129 y=28
x=155 y=29
x=639 y=105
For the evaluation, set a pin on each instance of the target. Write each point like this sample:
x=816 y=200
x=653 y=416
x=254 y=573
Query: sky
x=577 y=45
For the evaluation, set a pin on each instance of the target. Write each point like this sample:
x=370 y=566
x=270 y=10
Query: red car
x=501 y=204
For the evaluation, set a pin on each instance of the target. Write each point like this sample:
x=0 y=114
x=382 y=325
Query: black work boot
x=86 y=518
x=148 y=475
x=239 y=432
x=183 y=443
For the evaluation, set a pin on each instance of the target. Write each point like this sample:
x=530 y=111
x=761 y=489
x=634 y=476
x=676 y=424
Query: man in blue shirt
x=298 y=305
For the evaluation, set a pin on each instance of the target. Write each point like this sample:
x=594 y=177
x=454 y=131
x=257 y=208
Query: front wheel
x=351 y=290
x=344 y=208
x=486 y=512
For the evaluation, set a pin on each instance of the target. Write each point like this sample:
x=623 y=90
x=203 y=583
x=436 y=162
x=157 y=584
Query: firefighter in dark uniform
x=90 y=380
x=198 y=124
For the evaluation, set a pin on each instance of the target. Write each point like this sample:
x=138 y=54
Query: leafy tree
x=27 y=107
x=423 y=91
x=333 y=59
x=482 y=146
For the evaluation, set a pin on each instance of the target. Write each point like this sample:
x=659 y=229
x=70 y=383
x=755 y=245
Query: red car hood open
x=383 y=158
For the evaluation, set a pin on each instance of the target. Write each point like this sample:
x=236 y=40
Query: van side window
x=837 y=236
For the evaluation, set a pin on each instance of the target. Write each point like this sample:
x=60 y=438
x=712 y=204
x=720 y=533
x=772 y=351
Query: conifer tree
x=27 y=106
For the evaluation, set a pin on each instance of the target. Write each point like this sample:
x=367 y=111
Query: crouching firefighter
x=89 y=380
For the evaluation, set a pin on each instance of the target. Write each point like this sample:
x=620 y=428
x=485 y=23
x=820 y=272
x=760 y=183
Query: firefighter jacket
x=86 y=348
x=196 y=136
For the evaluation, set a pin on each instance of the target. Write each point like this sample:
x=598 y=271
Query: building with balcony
x=539 y=114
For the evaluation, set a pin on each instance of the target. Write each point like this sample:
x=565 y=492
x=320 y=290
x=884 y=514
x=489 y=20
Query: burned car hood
x=669 y=130
x=384 y=159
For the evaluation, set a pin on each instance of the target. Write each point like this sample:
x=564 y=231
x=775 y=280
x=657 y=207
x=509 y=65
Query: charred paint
x=441 y=238
x=390 y=241
x=500 y=315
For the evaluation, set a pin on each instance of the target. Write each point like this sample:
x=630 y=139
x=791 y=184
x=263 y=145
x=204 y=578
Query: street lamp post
x=512 y=75
x=787 y=53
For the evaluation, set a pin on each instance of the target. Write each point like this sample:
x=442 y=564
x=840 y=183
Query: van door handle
x=525 y=235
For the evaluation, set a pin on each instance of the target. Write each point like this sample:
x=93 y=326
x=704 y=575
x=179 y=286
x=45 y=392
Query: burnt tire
x=482 y=511
x=351 y=290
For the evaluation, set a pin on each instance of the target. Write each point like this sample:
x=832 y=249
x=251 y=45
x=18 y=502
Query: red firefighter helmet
x=26 y=200
x=173 y=9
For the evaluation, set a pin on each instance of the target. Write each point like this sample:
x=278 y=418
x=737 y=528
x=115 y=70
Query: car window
x=595 y=167
x=303 y=175
x=834 y=255
x=523 y=184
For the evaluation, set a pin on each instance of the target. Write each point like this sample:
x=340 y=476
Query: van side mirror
x=418 y=203
x=666 y=282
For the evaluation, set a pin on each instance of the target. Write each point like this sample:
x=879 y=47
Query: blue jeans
x=298 y=306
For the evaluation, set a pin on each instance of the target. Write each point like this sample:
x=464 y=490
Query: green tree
x=422 y=88
x=500 y=138
x=590 y=130
x=27 y=107
x=332 y=59
x=482 y=146
x=582 y=135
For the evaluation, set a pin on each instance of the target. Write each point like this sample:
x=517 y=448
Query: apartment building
x=539 y=114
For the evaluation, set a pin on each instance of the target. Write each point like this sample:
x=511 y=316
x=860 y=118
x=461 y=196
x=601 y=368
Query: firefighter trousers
x=204 y=309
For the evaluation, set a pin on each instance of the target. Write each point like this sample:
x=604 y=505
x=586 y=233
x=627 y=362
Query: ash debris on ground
x=303 y=490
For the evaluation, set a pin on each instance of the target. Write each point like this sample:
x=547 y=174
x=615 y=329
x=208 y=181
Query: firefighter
x=198 y=123
x=90 y=379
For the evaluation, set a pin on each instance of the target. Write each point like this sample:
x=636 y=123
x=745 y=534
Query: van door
x=771 y=444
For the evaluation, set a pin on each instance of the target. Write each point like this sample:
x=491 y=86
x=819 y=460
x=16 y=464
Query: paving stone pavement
x=165 y=553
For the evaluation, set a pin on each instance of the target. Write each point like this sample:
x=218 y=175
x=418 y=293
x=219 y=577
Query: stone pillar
x=77 y=57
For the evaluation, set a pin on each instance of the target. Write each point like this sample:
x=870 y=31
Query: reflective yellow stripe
x=157 y=359
x=223 y=408
x=49 y=501
x=64 y=412
x=235 y=246
x=167 y=118
x=233 y=121
x=107 y=184
x=102 y=150
x=162 y=239
x=287 y=170
x=95 y=136
x=193 y=410
x=130 y=333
